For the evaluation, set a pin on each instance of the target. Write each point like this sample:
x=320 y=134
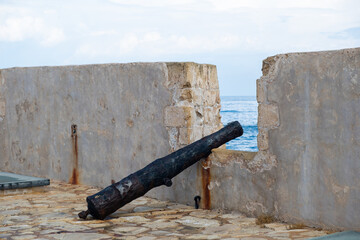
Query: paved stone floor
x=50 y=212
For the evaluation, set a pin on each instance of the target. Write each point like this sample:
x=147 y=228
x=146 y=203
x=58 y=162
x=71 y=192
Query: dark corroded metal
x=74 y=177
x=197 y=201
x=159 y=172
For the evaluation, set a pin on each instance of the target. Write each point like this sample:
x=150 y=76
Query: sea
x=242 y=109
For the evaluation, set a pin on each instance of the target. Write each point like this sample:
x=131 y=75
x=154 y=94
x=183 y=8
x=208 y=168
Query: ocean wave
x=244 y=110
x=230 y=111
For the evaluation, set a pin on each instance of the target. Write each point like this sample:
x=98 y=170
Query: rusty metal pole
x=159 y=172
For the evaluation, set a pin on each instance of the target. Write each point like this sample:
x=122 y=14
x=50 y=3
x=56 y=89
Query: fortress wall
x=308 y=163
x=126 y=116
x=309 y=123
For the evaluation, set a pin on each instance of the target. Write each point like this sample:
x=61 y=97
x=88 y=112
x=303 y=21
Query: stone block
x=268 y=64
x=260 y=91
x=208 y=115
x=204 y=76
x=189 y=116
x=223 y=157
x=194 y=75
x=199 y=116
x=189 y=135
x=211 y=97
x=209 y=129
x=201 y=77
x=212 y=115
x=198 y=95
x=268 y=116
x=184 y=135
x=213 y=78
x=186 y=94
x=196 y=134
x=179 y=75
x=176 y=116
x=173 y=137
x=263 y=139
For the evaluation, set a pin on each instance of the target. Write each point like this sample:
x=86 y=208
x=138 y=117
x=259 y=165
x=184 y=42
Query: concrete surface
x=13 y=181
x=51 y=213
x=309 y=108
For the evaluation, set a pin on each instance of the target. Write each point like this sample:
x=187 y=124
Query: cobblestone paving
x=51 y=213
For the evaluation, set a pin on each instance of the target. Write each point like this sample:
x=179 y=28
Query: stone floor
x=50 y=212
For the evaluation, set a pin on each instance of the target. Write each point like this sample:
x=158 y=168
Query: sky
x=235 y=35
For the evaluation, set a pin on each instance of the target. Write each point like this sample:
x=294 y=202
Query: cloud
x=182 y=26
x=234 y=5
x=22 y=28
x=353 y=33
x=52 y=36
x=204 y=43
x=234 y=34
x=142 y=29
x=111 y=43
x=155 y=3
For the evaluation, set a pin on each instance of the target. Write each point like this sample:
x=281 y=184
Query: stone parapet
x=308 y=115
x=306 y=169
x=194 y=111
x=95 y=124
x=242 y=181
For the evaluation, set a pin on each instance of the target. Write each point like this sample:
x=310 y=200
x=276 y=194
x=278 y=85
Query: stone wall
x=127 y=115
x=194 y=112
x=309 y=126
x=93 y=124
x=308 y=163
x=195 y=108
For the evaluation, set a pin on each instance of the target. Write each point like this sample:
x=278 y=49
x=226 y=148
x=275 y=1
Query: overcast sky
x=235 y=35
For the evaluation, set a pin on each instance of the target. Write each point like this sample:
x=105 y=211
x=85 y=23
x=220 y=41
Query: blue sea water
x=244 y=110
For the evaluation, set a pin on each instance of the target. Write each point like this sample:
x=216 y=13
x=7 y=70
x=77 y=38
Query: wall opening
x=245 y=110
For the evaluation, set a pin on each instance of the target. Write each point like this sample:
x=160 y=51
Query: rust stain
x=74 y=179
x=205 y=180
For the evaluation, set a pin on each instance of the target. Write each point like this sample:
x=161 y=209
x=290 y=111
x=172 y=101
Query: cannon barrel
x=159 y=172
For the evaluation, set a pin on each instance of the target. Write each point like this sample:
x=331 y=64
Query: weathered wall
x=113 y=121
x=309 y=122
x=308 y=164
x=126 y=115
x=194 y=112
x=241 y=181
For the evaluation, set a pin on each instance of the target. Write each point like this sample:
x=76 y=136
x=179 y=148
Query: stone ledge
x=226 y=156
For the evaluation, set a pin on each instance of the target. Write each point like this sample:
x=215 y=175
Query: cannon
x=159 y=172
